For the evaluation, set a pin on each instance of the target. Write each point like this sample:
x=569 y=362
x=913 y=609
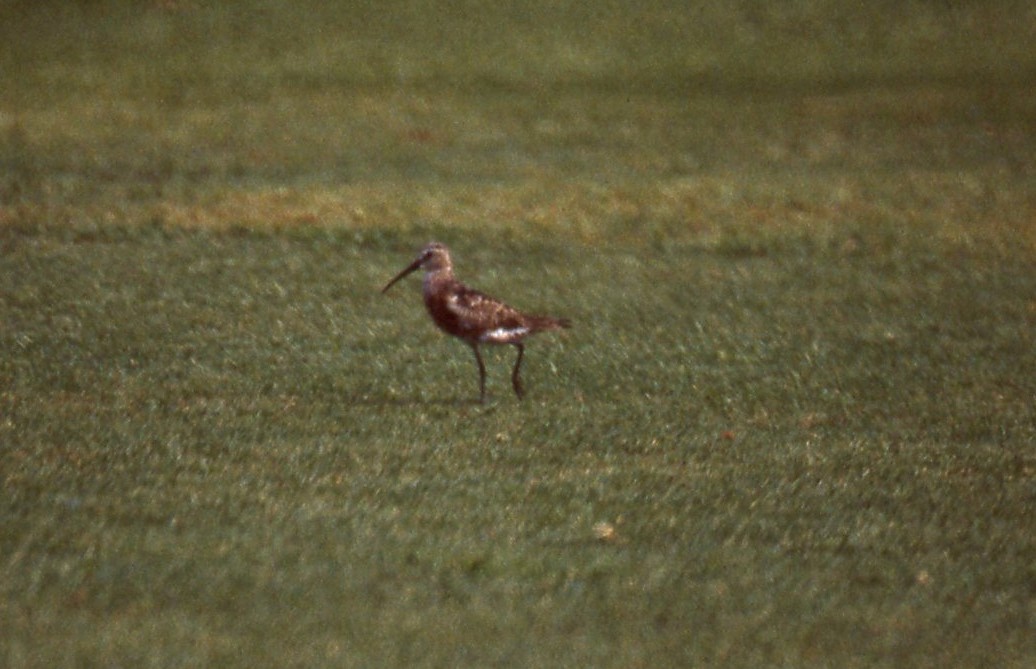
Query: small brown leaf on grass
x=605 y=531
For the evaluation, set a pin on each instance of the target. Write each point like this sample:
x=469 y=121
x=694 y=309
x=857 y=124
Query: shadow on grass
x=383 y=400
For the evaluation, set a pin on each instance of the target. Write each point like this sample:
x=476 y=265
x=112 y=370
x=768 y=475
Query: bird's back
x=476 y=317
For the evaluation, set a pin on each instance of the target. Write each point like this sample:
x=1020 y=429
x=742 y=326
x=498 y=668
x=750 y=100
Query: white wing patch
x=504 y=335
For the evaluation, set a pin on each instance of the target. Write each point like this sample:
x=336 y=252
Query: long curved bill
x=410 y=268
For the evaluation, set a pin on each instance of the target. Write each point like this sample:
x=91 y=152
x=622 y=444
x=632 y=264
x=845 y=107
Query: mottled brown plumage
x=473 y=316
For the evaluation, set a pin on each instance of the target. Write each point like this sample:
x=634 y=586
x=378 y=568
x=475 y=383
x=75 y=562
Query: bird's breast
x=447 y=319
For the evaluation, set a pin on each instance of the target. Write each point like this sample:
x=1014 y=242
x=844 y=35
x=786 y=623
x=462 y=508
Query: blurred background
x=131 y=105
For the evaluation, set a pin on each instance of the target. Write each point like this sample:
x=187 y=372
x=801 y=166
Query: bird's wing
x=471 y=306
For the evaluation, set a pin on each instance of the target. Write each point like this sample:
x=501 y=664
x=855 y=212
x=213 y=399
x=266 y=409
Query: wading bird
x=472 y=316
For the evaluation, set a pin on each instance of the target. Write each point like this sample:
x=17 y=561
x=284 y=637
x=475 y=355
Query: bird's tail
x=544 y=323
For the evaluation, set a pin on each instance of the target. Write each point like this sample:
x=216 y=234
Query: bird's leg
x=516 y=380
x=481 y=375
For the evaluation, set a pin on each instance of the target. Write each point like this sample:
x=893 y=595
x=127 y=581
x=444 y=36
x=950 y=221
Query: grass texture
x=794 y=424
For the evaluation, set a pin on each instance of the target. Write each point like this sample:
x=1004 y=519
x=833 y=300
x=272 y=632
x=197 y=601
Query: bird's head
x=433 y=257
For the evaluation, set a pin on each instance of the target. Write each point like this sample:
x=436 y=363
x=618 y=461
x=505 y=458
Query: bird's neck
x=434 y=279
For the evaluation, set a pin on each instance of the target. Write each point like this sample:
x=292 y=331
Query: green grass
x=794 y=423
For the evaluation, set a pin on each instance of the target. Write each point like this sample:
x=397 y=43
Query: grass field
x=794 y=424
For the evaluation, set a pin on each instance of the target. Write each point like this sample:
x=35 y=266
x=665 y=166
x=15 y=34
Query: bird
x=474 y=317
